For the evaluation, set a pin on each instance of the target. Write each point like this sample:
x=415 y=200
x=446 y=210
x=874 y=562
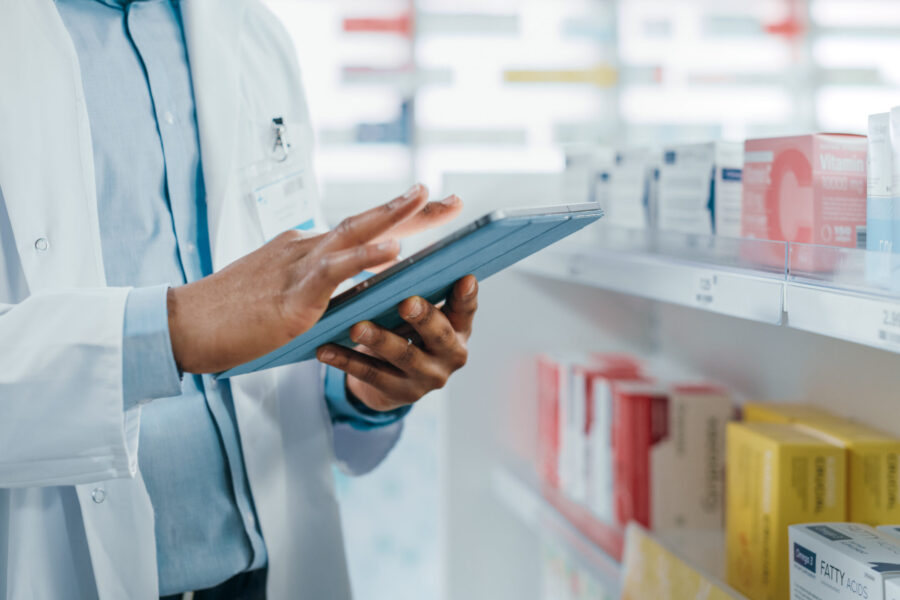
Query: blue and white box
x=842 y=561
x=700 y=188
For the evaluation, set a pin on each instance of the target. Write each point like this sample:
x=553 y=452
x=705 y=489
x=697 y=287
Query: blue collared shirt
x=152 y=208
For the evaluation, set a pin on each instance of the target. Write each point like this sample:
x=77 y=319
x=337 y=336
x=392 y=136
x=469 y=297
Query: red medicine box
x=808 y=189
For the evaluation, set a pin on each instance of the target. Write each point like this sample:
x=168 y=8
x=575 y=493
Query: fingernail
x=364 y=334
x=389 y=245
x=450 y=200
x=469 y=290
x=327 y=355
x=413 y=192
x=415 y=310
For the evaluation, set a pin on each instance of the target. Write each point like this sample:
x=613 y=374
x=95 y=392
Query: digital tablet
x=482 y=248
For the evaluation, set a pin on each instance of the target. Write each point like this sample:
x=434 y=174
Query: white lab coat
x=75 y=518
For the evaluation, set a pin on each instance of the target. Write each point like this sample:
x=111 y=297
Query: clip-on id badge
x=282 y=189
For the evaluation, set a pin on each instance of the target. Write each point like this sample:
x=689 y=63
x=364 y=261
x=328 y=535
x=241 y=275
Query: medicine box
x=587 y=417
x=776 y=476
x=700 y=188
x=879 y=162
x=600 y=386
x=807 y=189
x=873 y=457
x=873 y=479
x=890 y=530
x=566 y=409
x=627 y=192
x=783 y=412
x=670 y=455
x=585 y=163
x=841 y=561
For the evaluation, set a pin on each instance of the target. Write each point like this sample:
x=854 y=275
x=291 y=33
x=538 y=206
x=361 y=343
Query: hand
x=387 y=370
x=267 y=298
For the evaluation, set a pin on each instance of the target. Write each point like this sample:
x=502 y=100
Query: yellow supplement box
x=873 y=493
x=783 y=412
x=777 y=475
x=873 y=457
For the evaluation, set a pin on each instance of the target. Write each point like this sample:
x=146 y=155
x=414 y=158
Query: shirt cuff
x=148 y=364
x=345 y=408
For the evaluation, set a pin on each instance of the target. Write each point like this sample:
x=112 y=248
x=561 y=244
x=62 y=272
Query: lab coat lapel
x=212 y=31
x=46 y=159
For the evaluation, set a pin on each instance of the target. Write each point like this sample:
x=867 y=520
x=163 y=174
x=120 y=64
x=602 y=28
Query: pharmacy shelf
x=525 y=500
x=842 y=293
x=704 y=273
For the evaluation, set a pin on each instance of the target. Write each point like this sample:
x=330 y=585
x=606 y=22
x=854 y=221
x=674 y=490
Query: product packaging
x=808 y=189
x=776 y=476
x=894 y=214
x=628 y=191
x=700 y=188
x=891 y=531
x=567 y=405
x=670 y=455
x=879 y=201
x=600 y=385
x=585 y=163
x=552 y=374
x=873 y=457
x=873 y=480
x=783 y=412
x=841 y=561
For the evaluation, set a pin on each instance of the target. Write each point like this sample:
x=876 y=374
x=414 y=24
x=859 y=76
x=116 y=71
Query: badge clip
x=282 y=147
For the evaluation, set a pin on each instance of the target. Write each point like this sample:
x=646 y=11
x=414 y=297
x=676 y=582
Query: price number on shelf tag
x=888 y=331
x=705 y=288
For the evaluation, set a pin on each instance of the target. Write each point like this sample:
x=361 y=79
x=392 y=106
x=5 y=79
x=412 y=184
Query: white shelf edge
x=536 y=513
x=862 y=319
x=850 y=315
x=731 y=292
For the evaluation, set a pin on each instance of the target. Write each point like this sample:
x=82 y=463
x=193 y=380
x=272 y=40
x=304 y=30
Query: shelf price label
x=888 y=330
x=704 y=290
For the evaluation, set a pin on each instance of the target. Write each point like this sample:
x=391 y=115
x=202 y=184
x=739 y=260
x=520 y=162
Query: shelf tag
x=704 y=291
x=888 y=328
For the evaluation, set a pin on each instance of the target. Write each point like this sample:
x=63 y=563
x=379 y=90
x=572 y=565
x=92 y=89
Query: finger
x=383 y=377
x=433 y=214
x=399 y=352
x=434 y=328
x=366 y=227
x=330 y=270
x=462 y=304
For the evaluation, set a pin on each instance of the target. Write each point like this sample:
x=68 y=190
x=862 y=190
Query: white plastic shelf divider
x=696 y=271
x=526 y=502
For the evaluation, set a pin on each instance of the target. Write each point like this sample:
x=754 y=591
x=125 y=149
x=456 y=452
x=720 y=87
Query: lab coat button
x=98 y=495
x=169 y=118
x=41 y=244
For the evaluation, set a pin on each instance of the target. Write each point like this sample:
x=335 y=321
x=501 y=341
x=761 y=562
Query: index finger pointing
x=462 y=304
x=365 y=227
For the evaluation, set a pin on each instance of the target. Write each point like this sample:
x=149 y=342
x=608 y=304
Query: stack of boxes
x=625 y=448
x=790 y=464
x=670 y=457
x=700 y=188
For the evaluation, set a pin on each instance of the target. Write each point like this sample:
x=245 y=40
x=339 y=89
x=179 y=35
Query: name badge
x=286 y=203
x=282 y=188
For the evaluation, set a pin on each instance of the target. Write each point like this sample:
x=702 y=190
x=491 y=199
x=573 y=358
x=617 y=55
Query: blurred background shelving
x=481 y=98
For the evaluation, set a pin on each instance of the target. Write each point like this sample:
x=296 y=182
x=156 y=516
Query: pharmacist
x=123 y=472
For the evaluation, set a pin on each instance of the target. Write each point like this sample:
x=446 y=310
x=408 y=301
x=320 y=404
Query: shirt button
x=190 y=247
x=98 y=495
x=169 y=118
x=251 y=520
x=42 y=244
